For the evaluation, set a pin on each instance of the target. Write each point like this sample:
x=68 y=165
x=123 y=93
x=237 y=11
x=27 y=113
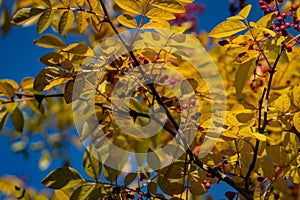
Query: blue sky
x=19 y=59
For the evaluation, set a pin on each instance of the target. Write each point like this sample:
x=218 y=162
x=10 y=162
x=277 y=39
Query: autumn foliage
x=227 y=102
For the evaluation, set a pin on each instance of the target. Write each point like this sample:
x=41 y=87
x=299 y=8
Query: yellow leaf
x=130 y=6
x=160 y=14
x=169 y=5
x=64 y=194
x=81 y=21
x=245 y=11
x=45 y=160
x=260 y=137
x=44 y=21
x=242 y=75
x=245 y=57
x=78 y=49
x=66 y=21
x=298 y=13
x=282 y=104
x=296 y=95
x=156 y=24
x=296 y=121
x=80 y=3
x=127 y=20
x=25 y=14
x=227 y=28
x=49 y=41
x=7 y=89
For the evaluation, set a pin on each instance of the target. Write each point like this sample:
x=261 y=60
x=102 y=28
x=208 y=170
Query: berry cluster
x=284 y=21
x=191 y=15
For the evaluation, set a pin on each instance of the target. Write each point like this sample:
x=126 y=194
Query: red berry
x=193 y=101
x=263 y=7
x=266 y=34
x=141 y=177
x=277 y=28
x=287 y=25
x=280 y=1
x=289 y=48
x=184 y=106
x=207 y=185
x=205 y=181
x=262 y=3
x=283 y=15
x=280 y=19
x=294 y=7
x=288 y=82
x=282 y=27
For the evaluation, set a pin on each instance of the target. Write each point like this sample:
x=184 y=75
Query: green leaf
x=17 y=120
x=158 y=13
x=198 y=188
x=227 y=28
x=129 y=178
x=82 y=21
x=242 y=75
x=91 y=163
x=296 y=121
x=44 y=21
x=127 y=20
x=3 y=118
x=66 y=22
x=47 y=76
x=169 y=5
x=78 y=49
x=7 y=89
x=111 y=174
x=50 y=41
x=129 y=5
x=153 y=160
x=25 y=14
x=282 y=104
x=82 y=192
x=61 y=178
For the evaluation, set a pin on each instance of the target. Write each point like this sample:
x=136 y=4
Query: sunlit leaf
x=64 y=194
x=66 y=22
x=227 y=28
x=92 y=163
x=296 y=95
x=169 y=5
x=82 y=21
x=44 y=21
x=160 y=14
x=130 y=6
x=242 y=75
x=48 y=76
x=78 y=49
x=25 y=14
x=243 y=14
x=7 y=89
x=127 y=20
x=27 y=83
x=155 y=23
x=80 y=3
x=296 y=120
x=82 y=192
x=49 y=41
x=61 y=178
x=282 y=104
x=3 y=118
x=245 y=57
